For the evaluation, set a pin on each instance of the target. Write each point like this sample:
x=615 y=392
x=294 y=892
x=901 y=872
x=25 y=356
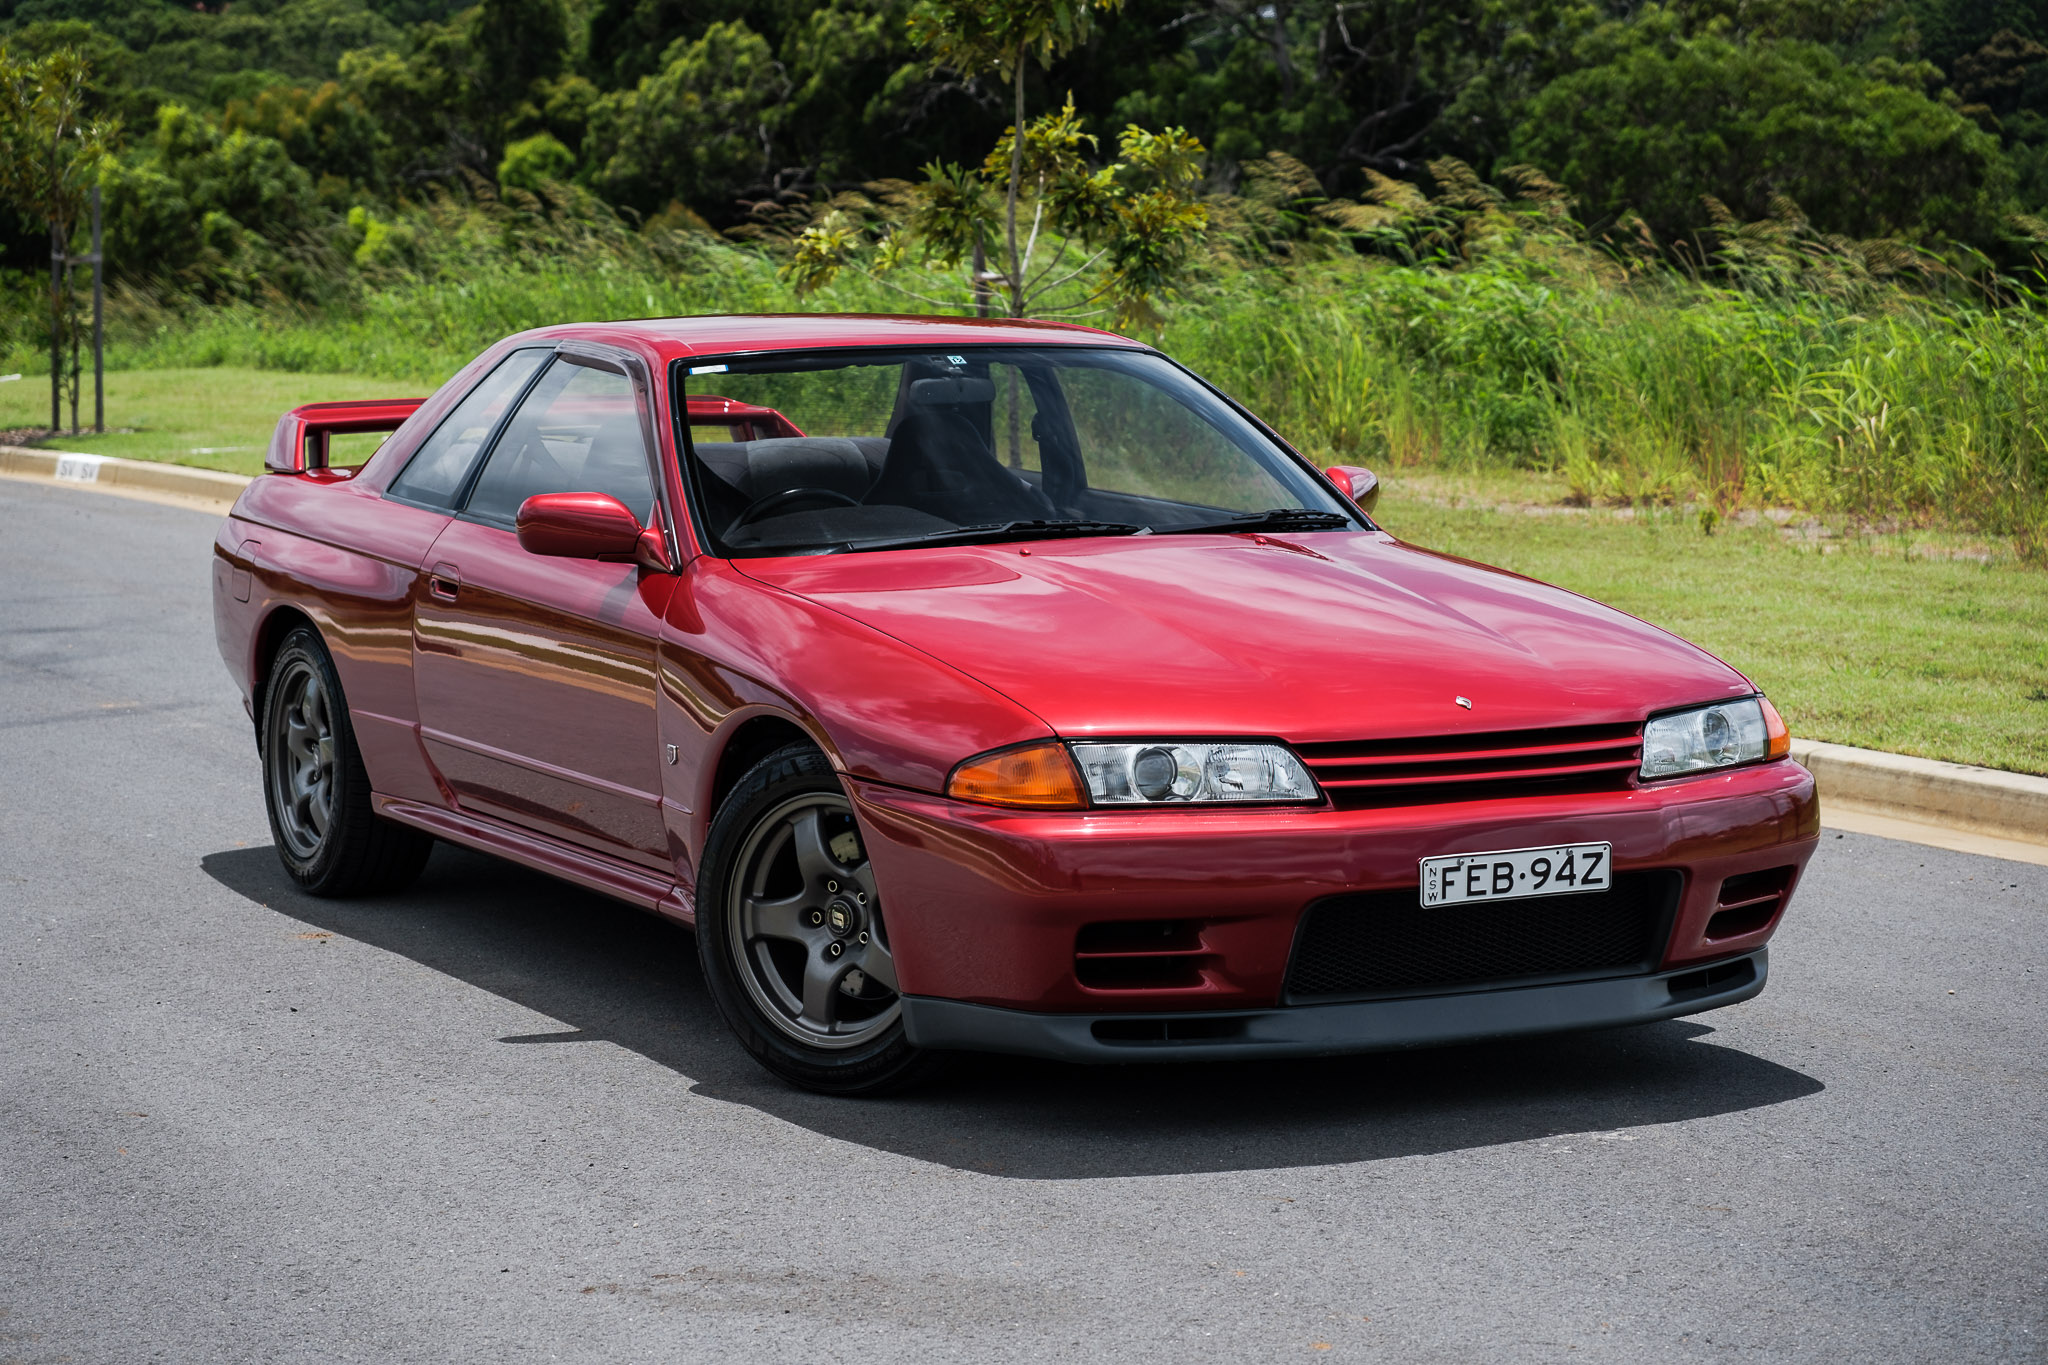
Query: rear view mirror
x=1357 y=483
x=578 y=526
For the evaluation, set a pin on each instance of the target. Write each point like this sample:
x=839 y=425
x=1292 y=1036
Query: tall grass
x=1655 y=391
x=1647 y=387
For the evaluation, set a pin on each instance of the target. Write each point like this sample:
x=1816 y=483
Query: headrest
x=951 y=391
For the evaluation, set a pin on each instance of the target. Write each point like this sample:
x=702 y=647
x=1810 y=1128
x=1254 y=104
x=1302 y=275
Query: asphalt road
x=495 y=1119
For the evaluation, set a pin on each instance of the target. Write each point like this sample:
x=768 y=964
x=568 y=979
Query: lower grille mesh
x=1386 y=943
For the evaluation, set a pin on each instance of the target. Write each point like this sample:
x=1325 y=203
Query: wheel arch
x=280 y=622
x=752 y=740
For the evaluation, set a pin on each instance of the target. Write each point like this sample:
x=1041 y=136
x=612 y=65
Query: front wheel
x=792 y=937
x=314 y=785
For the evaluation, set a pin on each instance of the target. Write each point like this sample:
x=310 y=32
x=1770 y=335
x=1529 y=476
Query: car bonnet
x=1305 y=637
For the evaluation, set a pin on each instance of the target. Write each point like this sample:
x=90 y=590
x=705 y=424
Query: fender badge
x=1465 y=702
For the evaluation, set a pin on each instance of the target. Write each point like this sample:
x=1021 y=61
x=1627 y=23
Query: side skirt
x=636 y=886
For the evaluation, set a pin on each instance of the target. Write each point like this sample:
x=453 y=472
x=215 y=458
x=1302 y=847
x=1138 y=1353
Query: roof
x=725 y=333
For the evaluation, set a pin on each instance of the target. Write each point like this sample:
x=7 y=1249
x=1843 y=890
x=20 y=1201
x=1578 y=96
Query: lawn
x=1907 y=642
x=1917 y=642
x=217 y=418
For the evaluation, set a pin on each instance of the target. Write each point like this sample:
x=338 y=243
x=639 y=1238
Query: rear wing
x=300 y=442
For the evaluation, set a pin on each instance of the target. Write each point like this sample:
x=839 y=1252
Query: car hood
x=1308 y=638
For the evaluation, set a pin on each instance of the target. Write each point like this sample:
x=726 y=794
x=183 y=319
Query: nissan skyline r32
x=989 y=686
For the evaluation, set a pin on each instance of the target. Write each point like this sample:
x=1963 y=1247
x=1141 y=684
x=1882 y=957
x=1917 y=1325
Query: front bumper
x=1327 y=1030
x=985 y=907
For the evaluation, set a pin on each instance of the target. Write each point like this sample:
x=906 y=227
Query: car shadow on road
x=610 y=973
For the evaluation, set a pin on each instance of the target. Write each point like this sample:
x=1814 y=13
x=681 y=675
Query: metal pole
x=99 y=335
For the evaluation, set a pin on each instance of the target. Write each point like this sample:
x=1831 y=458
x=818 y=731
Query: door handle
x=443 y=581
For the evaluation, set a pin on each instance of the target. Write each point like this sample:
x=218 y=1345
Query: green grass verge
x=1887 y=642
x=216 y=418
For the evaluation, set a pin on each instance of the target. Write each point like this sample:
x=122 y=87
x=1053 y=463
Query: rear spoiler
x=300 y=442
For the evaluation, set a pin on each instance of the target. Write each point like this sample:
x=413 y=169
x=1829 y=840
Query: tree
x=702 y=123
x=50 y=152
x=1135 y=219
x=1668 y=120
x=975 y=36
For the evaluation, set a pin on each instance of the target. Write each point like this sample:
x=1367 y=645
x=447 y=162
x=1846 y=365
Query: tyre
x=315 y=788
x=791 y=934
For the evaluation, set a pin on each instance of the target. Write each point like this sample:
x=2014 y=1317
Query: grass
x=1883 y=641
x=216 y=418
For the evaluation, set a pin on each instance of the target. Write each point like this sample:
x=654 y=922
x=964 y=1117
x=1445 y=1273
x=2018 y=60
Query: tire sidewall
x=883 y=1063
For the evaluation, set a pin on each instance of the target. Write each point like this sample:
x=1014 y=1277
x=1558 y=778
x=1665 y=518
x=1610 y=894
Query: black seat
x=938 y=462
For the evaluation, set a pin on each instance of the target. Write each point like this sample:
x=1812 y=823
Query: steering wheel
x=761 y=507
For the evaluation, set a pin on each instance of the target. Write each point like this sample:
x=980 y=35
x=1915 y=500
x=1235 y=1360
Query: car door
x=536 y=674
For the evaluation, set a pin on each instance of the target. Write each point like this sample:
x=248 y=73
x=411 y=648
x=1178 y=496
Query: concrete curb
x=180 y=485
x=1984 y=805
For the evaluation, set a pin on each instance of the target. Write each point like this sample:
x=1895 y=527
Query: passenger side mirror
x=1357 y=483
x=578 y=526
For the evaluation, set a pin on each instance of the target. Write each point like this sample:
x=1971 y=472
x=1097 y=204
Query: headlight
x=1711 y=737
x=1179 y=772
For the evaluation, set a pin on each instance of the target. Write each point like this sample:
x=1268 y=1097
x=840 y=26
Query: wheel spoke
x=316 y=810
x=811 y=855
x=879 y=964
x=315 y=707
x=298 y=737
x=762 y=918
x=821 y=990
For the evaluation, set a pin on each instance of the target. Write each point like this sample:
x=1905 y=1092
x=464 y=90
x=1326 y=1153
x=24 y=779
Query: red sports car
x=986 y=685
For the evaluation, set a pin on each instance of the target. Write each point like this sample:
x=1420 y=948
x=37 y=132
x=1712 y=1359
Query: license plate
x=1560 y=870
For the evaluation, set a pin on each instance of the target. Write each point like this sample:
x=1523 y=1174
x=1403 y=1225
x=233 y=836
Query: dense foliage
x=1925 y=120
x=1713 y=249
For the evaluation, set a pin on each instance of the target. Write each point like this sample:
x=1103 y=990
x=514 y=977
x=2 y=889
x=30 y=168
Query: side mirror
x=578 y=526
x=1357 y=483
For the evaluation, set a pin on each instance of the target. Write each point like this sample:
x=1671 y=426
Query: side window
x=1137 y=438
x=577 y=432
x=436 y=472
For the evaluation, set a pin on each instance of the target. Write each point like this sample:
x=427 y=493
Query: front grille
x=1405 y=772
x=1385 y=943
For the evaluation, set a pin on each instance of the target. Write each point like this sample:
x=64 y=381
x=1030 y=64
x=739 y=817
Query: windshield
x=817 y=452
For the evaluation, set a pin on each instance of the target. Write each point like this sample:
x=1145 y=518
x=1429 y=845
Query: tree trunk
x=1016 y=174
x=56 y=329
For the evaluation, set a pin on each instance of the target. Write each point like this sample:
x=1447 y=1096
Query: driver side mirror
x=1357 y=483
x=588 y=526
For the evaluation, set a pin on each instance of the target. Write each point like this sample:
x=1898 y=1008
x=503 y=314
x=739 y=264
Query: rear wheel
x=315 y=788
x=791 y=934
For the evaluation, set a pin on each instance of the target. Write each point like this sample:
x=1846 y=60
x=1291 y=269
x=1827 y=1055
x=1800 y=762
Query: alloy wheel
x=805 y=923
x=301 y=753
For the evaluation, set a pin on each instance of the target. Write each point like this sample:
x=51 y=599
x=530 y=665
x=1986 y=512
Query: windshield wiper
x=989 y=532
x=1272 y=519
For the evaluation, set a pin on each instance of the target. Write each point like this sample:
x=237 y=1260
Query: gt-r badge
x=1465 y=702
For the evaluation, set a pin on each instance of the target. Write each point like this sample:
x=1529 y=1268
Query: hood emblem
x=1465 y=702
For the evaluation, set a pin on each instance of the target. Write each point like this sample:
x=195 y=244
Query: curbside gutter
x=177 y=485
x=1948 y=805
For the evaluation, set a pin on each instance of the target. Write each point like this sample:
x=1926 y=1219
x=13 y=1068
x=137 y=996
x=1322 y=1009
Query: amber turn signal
x=1777 y=739
x=1032 y=776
